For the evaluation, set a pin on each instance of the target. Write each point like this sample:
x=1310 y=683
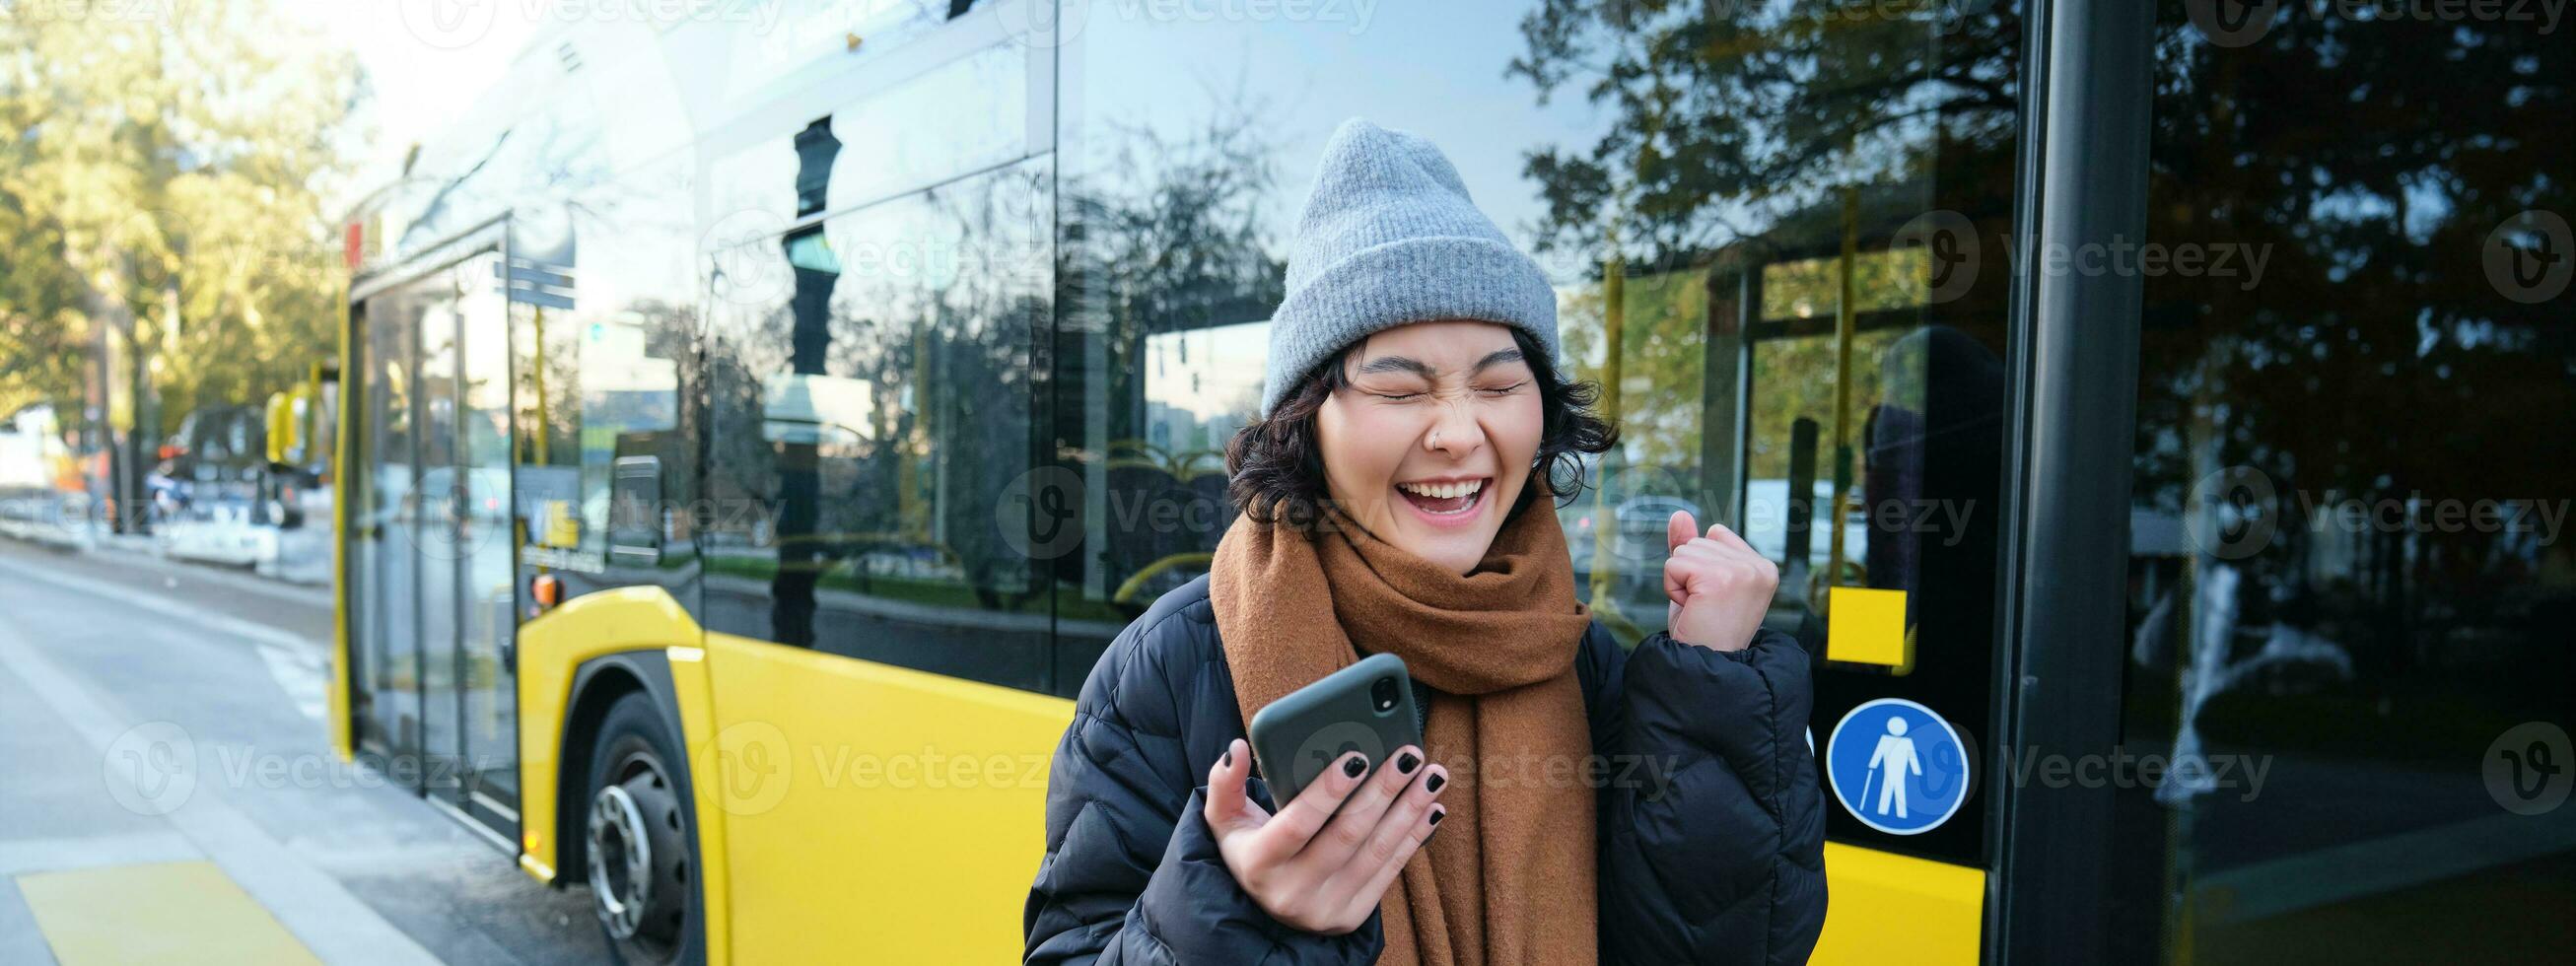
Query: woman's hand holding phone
x=1323 y=863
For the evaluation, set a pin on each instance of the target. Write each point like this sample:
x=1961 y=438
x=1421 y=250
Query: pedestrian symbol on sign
x=1897 y=766
x=1895 y=759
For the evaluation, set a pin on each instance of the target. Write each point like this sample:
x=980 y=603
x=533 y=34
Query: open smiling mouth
x=1448 y=498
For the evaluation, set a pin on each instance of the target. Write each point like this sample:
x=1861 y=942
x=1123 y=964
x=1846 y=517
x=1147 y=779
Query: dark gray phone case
x=1296 y=737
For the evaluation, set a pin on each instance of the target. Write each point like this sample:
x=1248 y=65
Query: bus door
x=1869 y=463
x=431 y=593
x=1826 y=376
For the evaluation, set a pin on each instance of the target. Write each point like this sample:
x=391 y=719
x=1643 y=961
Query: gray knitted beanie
x=1388 y=238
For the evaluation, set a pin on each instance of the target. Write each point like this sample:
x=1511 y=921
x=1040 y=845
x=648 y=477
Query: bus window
x=2349 y=586
x=870 y=410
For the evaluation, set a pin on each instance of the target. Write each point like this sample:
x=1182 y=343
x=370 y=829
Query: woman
x=1576 y=802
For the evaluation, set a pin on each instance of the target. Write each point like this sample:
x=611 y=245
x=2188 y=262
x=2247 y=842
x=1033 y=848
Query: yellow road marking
x=168 y=912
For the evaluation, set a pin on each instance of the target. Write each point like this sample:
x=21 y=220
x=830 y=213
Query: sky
x=419 y=57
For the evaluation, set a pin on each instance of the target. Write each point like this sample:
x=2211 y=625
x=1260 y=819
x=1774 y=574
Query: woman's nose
x=1454 y=430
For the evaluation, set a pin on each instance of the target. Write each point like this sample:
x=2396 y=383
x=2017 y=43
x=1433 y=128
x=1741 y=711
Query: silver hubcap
x=621 y=861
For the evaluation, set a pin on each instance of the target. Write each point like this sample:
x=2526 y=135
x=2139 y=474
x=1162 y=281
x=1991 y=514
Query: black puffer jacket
x=1713 y=854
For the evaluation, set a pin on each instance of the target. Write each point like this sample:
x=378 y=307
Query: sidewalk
x=167 y=794
x=127 y=839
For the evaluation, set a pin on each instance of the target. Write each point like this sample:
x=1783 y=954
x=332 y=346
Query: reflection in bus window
x=868 y=413
x=2343 y=568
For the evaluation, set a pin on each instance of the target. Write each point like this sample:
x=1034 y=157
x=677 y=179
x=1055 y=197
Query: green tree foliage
x=159 y=166
x=1741 y=127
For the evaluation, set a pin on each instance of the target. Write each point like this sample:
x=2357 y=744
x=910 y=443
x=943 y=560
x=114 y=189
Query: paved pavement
x=167 y=793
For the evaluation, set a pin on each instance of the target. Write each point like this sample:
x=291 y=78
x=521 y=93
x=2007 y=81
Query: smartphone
x=1366 y=707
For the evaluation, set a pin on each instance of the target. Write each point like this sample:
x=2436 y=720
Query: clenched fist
x=1719 y=586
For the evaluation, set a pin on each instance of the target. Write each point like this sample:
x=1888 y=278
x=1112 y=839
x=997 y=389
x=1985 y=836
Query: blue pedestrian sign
x=1897 y=766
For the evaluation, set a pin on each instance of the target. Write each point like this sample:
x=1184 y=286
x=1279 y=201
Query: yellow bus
x=756 y=421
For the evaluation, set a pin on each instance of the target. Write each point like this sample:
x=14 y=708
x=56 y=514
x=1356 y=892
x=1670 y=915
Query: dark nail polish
x=1228 y=760
x=1437 y=814
x=1356 y=765
x=1433 y=783
x=1405 y=763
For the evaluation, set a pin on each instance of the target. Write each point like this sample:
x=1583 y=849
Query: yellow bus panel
x=1889 y=908
x=888 y=810
x=551 y=648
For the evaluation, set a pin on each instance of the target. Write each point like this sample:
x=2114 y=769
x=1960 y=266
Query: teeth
x=1442 y=491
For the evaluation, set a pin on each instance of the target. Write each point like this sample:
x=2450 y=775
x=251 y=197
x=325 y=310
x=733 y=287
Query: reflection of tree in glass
x=1736 y=133
x=1166 y=236
x=1163 y=233
x=2371 y=360
x=947 y=346
x=2372 y=289
x=1729 y=117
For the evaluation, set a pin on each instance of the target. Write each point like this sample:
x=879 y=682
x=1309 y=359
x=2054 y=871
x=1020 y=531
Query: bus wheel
x=643 y=870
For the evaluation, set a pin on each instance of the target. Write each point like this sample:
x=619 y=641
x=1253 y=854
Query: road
x=167 y=792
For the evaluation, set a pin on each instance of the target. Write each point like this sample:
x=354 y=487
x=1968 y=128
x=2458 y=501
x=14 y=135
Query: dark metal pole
x=2065 y=600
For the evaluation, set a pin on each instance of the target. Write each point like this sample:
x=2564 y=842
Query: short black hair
x=1276 y=463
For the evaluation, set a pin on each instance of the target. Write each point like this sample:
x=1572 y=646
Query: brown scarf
x=1509 y=878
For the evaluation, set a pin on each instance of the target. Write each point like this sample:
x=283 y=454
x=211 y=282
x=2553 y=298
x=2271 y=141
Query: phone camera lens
x=1383 y=693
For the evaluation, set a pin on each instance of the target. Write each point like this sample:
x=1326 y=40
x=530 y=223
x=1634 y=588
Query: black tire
x=647 y=900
